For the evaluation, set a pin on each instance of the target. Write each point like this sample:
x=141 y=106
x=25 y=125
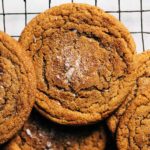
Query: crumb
x=48 y=144
x=69 y=73
x=34 y=39
x=68 y=143
x=29 y=132
x=57 y=76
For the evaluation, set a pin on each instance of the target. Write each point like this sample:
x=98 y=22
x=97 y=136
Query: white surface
x=14 y=6
x=37 y=5
x=130 y=4
x=91 y=2
x=108 y=5
x=147 y=41
x=131 y=21
x=146 y=4
x=138 y=41
x=58 y=2
x=15 y=23
x=146 y=20
x=1 y=8
x=1 y=22
x=115 y=15
x=14 y=27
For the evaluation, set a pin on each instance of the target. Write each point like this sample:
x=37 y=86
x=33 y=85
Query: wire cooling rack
x=135 y=14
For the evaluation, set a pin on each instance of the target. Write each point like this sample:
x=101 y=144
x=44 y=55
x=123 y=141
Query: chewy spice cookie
x=114 y=119
x=134 y=127
x=17 y=87
x=81 y=55
x=39 y=134
x=139 y=61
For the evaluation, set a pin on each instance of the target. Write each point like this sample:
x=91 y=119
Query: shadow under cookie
x=41 y=134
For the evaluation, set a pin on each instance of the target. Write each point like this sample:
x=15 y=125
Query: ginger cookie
x=39 y=134
x=81 y=55
x=114 y=119
x=17 y=87
x=134 y=127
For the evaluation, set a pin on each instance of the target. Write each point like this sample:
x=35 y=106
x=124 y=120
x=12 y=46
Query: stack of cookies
x=77 y=66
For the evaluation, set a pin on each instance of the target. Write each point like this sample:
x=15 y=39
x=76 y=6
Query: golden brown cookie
x=114 y=119
x=39 y=134
x=133 y=132
x=81 y=55
x=17 y=87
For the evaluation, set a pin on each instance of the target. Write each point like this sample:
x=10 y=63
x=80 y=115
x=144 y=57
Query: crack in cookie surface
x=16 y=100
x=81 y=56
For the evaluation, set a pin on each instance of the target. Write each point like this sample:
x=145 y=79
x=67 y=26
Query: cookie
x=81 y=55
x=114 y=119
x=134 y=127
x=39 y=134
x=17 y=87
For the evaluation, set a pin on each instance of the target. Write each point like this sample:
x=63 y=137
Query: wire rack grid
x=135 y=14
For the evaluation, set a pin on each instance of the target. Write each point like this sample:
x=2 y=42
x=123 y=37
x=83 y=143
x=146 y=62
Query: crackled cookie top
x=17 y=80
x=39 y=134
x=81 y=56
x=134 y=127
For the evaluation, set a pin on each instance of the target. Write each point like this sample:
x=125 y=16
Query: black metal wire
x=119 y=11
x=19 y=13
x=95 y=2
x=140 y=32
x=3 y=9
x=49 y=4
x=142 y=35
x=25 y=11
